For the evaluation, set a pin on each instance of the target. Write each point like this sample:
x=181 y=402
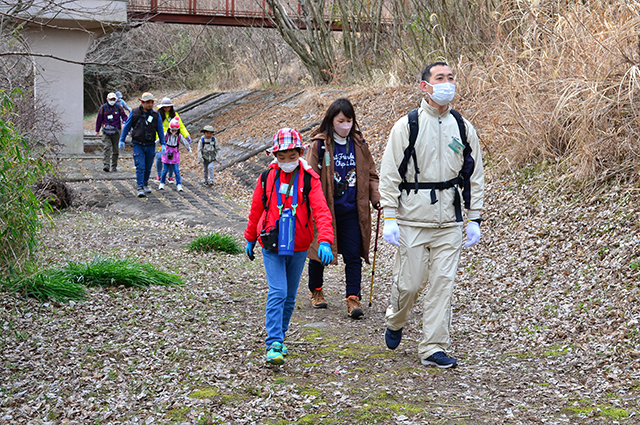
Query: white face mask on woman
x=443 y=93
x=288 y=167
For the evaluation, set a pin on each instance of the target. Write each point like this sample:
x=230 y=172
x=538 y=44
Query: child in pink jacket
x=171 y=158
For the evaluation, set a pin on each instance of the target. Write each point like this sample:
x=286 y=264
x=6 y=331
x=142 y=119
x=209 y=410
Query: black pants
x=349 y=240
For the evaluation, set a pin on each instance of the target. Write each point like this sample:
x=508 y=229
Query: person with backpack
x=145 y=125
x=110 y=119
x=171 y=158
x=341 y=156
x=286 y=203
x=207 y=152
x=167 y=113
x=120 y=102
x=431 y=168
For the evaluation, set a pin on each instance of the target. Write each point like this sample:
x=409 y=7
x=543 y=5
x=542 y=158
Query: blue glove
x=473 y=234
x=249 y=250
x=189 y=139
x=163 y=149
x=325 y=254
x=121 y=145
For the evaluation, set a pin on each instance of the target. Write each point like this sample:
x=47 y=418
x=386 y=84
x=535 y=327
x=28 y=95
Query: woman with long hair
x=341 y=156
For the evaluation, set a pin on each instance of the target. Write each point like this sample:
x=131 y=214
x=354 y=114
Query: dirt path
x=545 y=320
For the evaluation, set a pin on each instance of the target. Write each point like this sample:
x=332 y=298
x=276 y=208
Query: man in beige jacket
x=422 y=212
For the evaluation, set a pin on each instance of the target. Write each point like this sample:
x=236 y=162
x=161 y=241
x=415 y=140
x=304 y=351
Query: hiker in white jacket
x=423 y=211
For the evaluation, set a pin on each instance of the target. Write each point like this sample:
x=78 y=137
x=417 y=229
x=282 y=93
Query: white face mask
x=288 y=167
x=443 y=93
x=111 y=102
x=343 y=129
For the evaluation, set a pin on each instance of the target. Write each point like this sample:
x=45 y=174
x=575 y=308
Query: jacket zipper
x=439 y=168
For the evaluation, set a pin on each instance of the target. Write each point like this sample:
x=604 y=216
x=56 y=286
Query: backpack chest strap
x=433 y=186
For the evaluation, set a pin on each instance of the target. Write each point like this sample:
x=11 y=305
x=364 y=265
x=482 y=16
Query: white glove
x=391 y=231
x=473 y=234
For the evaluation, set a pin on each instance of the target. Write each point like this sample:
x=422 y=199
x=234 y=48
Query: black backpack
x=462 y=180
x=305 y=190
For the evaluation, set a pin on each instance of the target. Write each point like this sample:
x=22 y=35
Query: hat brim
x=303 y=147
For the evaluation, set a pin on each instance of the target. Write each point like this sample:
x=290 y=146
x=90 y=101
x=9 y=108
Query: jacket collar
x=432 y=110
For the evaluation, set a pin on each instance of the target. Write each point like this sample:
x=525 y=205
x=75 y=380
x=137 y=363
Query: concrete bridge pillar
x=67 y=35
x=60 y=84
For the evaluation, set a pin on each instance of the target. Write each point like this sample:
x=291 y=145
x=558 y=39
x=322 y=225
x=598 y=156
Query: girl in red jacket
x=280 y=218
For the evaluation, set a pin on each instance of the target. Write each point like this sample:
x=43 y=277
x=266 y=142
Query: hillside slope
x=545 y=315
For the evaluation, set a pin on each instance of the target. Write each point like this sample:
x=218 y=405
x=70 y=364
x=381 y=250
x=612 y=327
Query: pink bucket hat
x=287 y=138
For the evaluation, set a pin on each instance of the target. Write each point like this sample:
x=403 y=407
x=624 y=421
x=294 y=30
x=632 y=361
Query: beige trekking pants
x=425 y=255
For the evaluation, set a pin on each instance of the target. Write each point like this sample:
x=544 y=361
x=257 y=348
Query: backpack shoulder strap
x=135 y=120
x=263 y=182
x=307 y=186
x=410 y=151
x=305 y=192
x=321 y=151
x=461 y=127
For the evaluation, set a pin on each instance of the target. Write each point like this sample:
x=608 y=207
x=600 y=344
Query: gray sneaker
x=141 y=193
x=147 y=189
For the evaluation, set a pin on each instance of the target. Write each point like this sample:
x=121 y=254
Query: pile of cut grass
x=70 y=282
x=216 y=241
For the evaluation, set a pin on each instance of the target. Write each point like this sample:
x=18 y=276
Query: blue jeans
x=283 y=277
x=159 y=165
x=168 y=169
x=143 y=156
x=349 y=240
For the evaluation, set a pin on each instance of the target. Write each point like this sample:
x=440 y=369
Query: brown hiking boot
x=353 y=307
x=317 y=299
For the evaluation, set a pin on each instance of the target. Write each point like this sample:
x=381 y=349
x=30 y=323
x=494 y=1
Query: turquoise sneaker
x=285 y=350
x=274 y=354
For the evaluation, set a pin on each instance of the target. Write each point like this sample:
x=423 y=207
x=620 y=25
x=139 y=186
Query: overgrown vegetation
x=198 y=56
x=563 y=87
x=68 y=283
x=21 y=212
x=216 y=241
x=547 y=80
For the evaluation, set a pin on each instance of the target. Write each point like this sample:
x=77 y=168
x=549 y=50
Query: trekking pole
x=375 y=251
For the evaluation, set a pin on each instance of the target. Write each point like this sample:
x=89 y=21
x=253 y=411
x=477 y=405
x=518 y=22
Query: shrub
x=216 y=241
x=21 y=211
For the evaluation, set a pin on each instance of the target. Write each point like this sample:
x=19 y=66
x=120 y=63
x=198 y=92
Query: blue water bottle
x=286 y=232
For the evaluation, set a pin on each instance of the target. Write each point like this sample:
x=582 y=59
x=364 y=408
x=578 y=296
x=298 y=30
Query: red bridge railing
x=205 y=12
x=219 y=12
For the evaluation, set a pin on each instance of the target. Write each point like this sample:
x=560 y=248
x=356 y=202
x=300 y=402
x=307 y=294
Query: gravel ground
x=545 y=326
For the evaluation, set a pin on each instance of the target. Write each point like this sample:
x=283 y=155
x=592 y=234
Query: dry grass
x=564 y=88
